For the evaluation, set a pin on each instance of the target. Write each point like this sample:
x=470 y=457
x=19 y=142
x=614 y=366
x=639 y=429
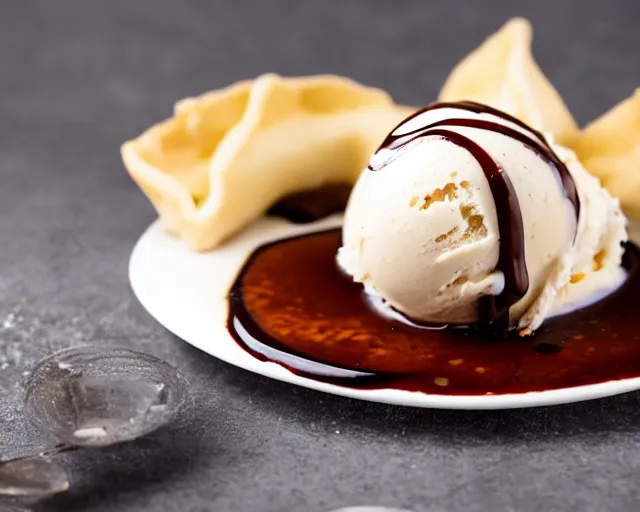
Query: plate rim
x=387 y=396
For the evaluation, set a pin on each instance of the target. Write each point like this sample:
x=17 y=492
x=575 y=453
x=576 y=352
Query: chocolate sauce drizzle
x=292 y=306
x=494 y=310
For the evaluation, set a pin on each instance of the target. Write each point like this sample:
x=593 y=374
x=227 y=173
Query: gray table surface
x=78 y=78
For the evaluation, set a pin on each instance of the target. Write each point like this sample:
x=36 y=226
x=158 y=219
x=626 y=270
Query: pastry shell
x=502 y=73
x=609 y=148
x=225 y=157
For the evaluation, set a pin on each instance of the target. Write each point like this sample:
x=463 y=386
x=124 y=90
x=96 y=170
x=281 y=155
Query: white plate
x=186 y=292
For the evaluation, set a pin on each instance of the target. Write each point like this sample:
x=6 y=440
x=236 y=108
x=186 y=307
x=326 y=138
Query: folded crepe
x=225 y=157
x=609 y=148
x=502 y=73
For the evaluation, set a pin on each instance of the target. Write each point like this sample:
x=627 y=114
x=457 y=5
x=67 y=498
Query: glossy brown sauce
x=311 y=205
x=540 y=146
x=291 y=305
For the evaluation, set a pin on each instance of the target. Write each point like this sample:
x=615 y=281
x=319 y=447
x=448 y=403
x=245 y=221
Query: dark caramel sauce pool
x=291 y=305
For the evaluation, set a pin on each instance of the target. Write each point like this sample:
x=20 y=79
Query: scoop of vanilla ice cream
x=421 y=228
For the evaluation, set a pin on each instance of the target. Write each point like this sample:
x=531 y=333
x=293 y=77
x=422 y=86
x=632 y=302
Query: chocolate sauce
x=543 y=150
x=314 y=204
x=493 y=309
x=291 y=305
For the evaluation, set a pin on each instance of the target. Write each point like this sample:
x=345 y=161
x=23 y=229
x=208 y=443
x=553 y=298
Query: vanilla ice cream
x=466 y=215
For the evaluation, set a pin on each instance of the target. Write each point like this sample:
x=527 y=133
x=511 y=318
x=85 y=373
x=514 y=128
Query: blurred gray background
x=79 y=77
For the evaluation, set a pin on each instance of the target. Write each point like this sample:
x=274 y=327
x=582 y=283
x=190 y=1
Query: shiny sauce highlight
x=291 y=305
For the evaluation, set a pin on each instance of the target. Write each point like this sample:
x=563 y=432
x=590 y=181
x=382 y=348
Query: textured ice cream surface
x=443 y=206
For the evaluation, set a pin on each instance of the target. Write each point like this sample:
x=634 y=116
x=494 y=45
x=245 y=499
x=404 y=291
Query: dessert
x=478 y=240
x=229 y=155
x=467 y=215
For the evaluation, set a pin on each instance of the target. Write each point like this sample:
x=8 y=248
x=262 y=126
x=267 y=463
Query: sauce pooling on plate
x=291 y=305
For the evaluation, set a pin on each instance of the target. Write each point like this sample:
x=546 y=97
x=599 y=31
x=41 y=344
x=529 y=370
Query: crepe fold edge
x=502 y=73
x=609 y=148
x=271 y=136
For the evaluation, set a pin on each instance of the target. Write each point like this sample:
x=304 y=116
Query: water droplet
x=96 y=396
x=32 y=476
